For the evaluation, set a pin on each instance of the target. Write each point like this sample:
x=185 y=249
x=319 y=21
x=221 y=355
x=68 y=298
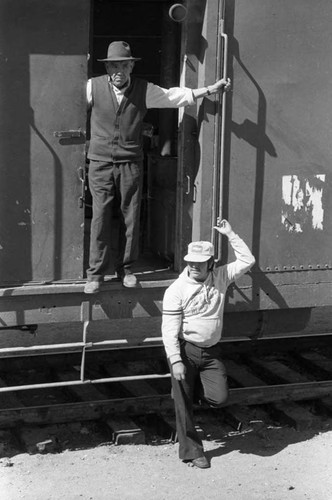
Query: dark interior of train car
x=155 y=38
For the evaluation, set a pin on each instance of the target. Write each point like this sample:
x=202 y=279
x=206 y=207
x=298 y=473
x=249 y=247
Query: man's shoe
x=92 y=287
x=129 y=280
x=201 y=462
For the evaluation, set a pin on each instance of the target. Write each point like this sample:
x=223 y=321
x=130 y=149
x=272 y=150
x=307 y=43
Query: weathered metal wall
x=44 y=46
x=277 y=179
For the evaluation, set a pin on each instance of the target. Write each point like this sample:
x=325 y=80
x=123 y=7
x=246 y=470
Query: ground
x=261 y=462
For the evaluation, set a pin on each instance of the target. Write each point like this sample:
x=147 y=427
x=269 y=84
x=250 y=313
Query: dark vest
x=117 y=131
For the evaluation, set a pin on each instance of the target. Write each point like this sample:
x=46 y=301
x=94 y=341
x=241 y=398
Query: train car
x=259 y=156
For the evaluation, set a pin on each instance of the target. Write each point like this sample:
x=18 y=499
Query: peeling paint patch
x=302 y=202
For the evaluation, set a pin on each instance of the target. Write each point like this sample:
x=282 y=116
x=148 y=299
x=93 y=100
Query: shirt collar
x=123 y=89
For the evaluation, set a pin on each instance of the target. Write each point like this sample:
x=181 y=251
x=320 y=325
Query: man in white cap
x=191 y=329
x=118 y=103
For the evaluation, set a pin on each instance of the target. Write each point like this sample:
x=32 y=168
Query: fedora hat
x=119 y=51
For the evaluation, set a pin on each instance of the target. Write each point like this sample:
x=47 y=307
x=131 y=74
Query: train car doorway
x=155 y=38
x=49 y=50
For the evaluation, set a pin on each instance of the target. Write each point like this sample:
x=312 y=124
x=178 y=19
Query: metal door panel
x=278 y=182
x=197 y=126
x=44 y=45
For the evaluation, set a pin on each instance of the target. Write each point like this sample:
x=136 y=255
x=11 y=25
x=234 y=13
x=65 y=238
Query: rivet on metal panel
x=327 y=266
x=318 y=266
x=285 y=268
x=310 y=267
x=276 y=268
x=268 y=269
x=301 y=267
x=293 y=267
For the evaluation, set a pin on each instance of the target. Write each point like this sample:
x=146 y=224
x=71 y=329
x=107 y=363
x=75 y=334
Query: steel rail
x=93 y=410
x=48 y=385
x=87 y=345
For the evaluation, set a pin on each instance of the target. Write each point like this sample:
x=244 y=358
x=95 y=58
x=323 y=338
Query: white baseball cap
x=199 y=251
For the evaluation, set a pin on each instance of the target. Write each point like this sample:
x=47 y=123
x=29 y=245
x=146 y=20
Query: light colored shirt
x=193 y=311
x=156 y=97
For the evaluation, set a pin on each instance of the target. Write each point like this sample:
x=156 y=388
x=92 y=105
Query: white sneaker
x=92 y=287
x=129 y=280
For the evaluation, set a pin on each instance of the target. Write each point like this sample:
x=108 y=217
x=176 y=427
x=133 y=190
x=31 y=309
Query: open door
x=44 y=45
x=200 y=126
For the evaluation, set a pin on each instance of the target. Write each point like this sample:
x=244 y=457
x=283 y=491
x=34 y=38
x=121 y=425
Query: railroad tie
x=125 y=431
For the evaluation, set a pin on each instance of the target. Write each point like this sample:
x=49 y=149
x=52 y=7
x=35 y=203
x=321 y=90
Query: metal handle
x=67 y=134
x=195 y=194
x=188 y=184
x=219 y=137
x=81 y=177
x=225 y=52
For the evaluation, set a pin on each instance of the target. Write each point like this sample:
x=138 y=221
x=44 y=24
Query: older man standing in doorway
x=118 y=103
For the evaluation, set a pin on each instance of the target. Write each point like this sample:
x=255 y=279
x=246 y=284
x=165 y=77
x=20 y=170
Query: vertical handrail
x=216 y=148
x=85 y=330
x=222 y=132
x=219 y=133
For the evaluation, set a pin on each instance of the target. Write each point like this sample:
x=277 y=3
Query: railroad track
x=287 y=380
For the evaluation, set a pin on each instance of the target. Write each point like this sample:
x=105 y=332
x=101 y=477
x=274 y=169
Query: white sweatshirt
x=193 y=310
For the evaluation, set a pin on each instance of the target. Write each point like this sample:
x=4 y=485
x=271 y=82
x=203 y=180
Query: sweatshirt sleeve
x=171 y=323
x=244 y=258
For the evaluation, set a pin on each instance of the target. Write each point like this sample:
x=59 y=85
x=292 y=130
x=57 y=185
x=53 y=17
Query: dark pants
x=110 y=182
x=203 y=366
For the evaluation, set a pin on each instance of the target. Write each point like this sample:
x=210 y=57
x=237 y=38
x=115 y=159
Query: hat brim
x=119 y=59
x=192 y=257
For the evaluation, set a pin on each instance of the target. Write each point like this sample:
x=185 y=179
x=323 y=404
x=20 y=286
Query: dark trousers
x=110 y=182
x=203 y=367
